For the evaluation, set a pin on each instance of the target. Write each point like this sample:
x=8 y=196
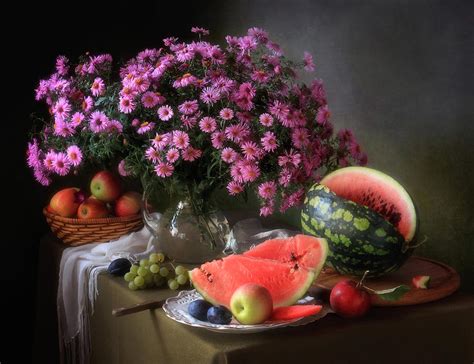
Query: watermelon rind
x=381 y=178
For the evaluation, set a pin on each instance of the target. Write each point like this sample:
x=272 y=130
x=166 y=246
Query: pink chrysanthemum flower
x=48 y=161
x=145 y=127
x=229 y=155
x=323 y=115
x=317 y=92
x=226 y=114
x=300 y=138
x=244 y=116
x=127 y=105
x=260 y=76
x=250 y=172
x=121 y=168
x=98 y=87
x=190 y=154
x=61 y=164
x=279 y=110
x=269 y=141
x=140 y=84
x=153 y=155
x=200 y=31
x=259 y=34
x=234 y=188
x=236 y=133
x=76 y=119
x=207 y=124
x=266 y=119
x=165 y=113
x=33 y=155
x=285 y=177
x=172 y=155
x=149 y=99
x=98 y=122
x=63 y=129
x=42 y=176
x=308 y=62
x=62 y=65
x=267 y=190
x=160 y=141
x=188 y=107
x=87 y=104
x=180 y=139
x=236 y=172
x=185 y=80
x=74 y=155
x=251 y=150
x=62 y=108
x=266 y=210
x=164 y=169
x=210 y=95
x=217 y=139
x=114 y=126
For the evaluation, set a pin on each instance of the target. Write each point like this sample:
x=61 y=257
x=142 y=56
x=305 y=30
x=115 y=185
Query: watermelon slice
x=216 y=281
x=294 y=312
x=378 y=191
x=307 y=251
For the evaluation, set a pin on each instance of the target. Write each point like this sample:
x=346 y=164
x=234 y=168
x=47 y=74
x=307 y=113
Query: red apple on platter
x=105 y=186
x=66 y=201
x=92 y=208
x=349 y=299
x=129 y=203
x=251 y=304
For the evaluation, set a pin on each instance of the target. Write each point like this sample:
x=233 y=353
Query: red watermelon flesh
x=307 y=251
x=216 y=281
x=378 y=191
x=294 y=312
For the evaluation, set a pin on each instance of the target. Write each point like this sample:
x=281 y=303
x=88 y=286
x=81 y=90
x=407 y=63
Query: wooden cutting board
x=444 y=281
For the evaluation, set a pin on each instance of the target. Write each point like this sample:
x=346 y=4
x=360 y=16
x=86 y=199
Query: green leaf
x=393 y=294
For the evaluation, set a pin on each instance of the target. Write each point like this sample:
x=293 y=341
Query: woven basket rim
x=103 y=220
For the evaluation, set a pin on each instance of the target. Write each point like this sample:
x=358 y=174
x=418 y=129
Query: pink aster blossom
x=236 y=172
x=317 y=92
x=62 y=108
x=165 y=113
x=180 y=139
x=200 y=31
x=149 y=99
x=74 y=155
x=172 y=155
x=140 y=84
x=258 y=34
x=250 y=150
x=269 y=141
x=160 y=141
x=98 y=122
x=244 y=116
x=266 y=210
x=153 y=155
x=308 y=62
x=122 y=168
x=76 y=119
x=236 y=133
x=61 y=164
x=279 y=110
x=266 y=119
x=164 y=170
x=114 y=126
x=63 y=129
x=260 y=76
x=98 y=87
x=226 y=114
x=136 y=123
x=229 y=155
x=267 y=190
x=300 y=138
x=188 y=107
x=146 y=127
x=190 y=154
x=62 y=66
x=87 y=104
x=234 y=188
x=185 y=80
x=210 y=95
x=127 y=105
x=207 y=124
x=188 y=121
x=217 y=139
x=323 y=115
x=48 y=161
x=33 y=154
x=250 y=172
x=42 y=176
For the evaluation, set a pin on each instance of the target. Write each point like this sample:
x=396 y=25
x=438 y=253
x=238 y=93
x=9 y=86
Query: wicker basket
x=80 y=231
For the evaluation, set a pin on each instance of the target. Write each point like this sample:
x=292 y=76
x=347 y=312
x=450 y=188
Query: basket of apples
x=106 y=214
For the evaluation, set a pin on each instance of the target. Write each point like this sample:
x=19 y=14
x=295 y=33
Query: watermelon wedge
x=294 y=312
x=307 y=251
x=216 y=281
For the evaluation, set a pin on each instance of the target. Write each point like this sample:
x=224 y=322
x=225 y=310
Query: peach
x=128 y=204
x=105 y=186
x=66 y=201
x=92 y=208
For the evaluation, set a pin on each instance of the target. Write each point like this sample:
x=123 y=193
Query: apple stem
x=362 y=279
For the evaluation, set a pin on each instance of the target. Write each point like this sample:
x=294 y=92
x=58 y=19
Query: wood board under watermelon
x=444 y=281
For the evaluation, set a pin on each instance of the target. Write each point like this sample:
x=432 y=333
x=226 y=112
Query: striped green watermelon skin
x=359 y=238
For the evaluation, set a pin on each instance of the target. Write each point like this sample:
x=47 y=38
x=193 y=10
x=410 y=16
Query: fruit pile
x=105 y=199
x=154 y=271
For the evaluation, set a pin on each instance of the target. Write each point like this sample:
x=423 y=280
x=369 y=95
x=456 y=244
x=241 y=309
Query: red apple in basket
x=128 y=204
x=66 y=201
x=92 y=208
x=105 y=186
x=349 y=299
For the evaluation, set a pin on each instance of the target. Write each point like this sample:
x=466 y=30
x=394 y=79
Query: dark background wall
x=398 y=72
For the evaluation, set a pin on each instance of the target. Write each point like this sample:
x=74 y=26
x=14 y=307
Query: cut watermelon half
x=216 y=281
x=307 y=251
x=378 y=191
x=294 y=312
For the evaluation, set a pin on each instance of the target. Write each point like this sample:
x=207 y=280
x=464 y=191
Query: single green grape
x=144 y=262
x=134 y=269
x=142 y=271
x=129 y=276
x=164 y=271
x=173 y=284
x=154 y=268
x=132 y=286
x=139 y=281
x=182 y=279
x=154 y=258
x=180 y=270
x=161 y=257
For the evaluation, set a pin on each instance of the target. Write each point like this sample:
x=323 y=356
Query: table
x=439 y=332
